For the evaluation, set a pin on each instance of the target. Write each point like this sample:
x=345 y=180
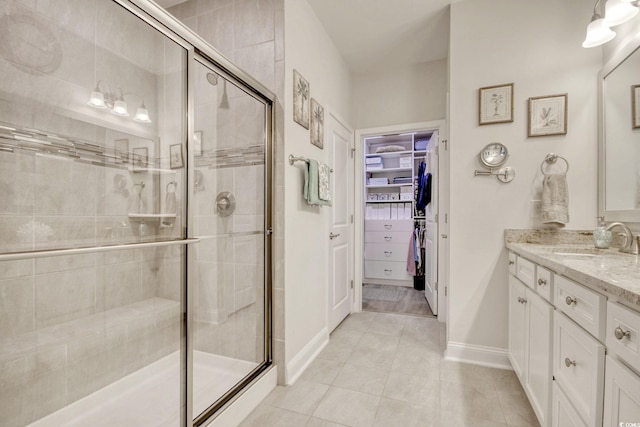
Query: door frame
x=360 y=135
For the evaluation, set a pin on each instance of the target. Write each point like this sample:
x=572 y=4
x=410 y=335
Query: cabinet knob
x=387 y=238
x=620 y=334
x=387 y=270
x=570 y=301
x=388 y=226
x=333 y=236
x=511 y=262
x=522 y=300
x=388 y=253
x=569 y=363
x=542 y=282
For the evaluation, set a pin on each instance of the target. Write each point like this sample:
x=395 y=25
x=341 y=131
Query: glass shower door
x=228 y=310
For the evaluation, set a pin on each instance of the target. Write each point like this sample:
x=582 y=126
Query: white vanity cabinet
x=622 y=383
x=530 y=333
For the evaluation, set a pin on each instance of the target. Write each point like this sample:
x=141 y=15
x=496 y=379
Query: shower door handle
x=333 y=236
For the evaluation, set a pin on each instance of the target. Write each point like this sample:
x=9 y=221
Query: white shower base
x=151 y=395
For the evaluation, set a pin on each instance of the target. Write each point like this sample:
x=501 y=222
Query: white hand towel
x=555 y=199
x=324 y=191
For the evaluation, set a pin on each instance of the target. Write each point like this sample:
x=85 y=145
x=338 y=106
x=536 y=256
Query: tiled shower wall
x=251 y=34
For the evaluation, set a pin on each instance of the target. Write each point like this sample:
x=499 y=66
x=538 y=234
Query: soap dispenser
x=601 y=236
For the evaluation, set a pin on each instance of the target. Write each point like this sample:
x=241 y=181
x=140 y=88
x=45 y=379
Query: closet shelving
x=389 y=205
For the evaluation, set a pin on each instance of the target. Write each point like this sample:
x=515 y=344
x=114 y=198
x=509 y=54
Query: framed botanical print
x=317 y=124
x=175 y=156
x=301 y=94
x=548 y=115
x=140 y=158
x=496 y=104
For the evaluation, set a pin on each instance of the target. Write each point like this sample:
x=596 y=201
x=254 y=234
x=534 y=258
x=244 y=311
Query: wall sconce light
x=107 y=99
x=616 y=12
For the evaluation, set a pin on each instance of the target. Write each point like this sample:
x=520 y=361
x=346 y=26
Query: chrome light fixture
x=107 y=99
x=616 y=12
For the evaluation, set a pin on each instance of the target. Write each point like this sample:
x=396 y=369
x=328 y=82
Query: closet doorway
x=401 y=219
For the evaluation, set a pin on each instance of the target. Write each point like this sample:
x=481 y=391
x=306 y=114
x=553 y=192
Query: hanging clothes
x=424 y=187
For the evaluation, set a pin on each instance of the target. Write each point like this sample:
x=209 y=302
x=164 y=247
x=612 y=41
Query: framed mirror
x=619 y=137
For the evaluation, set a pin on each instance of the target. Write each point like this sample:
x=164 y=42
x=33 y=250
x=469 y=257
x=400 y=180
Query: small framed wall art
x=635 y=106
x=301 y=94
x=140 y=158
x=496 y=104
x=317 y=124
x=548 y=115
x=175 y=156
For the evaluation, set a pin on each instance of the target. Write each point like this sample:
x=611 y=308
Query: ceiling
x=374 y=34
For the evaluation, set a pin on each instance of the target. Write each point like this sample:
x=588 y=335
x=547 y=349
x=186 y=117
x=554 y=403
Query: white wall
x=310 y=51
x=406 y=93
x=538 y=48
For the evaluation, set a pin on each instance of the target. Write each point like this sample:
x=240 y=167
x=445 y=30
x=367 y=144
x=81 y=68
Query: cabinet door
x=563 y=414
x=578 y=368
x=517 y=322
x=621 y=395
x=538 y=372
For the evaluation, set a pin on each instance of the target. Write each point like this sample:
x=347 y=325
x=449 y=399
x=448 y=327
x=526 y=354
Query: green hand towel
x=311 y=186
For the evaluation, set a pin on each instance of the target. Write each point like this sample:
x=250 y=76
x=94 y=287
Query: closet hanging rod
x=293 y=159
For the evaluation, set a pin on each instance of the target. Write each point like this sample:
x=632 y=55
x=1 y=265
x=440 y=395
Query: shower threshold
x=151 y=395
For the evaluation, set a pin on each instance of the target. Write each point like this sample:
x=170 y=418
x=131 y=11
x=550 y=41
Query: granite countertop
x=572 y=254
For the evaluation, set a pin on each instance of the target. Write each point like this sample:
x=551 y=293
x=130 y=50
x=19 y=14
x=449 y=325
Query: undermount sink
x=576 y=252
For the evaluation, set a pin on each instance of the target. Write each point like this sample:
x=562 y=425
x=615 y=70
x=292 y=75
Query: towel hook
x=552 y=158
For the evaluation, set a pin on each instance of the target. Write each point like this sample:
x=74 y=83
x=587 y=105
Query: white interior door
x=431 y=228
x=340 y=143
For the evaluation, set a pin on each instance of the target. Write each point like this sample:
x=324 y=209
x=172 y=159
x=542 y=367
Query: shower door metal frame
x=198 y=48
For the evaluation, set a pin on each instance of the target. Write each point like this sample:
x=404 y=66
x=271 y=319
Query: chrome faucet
x=630 y=245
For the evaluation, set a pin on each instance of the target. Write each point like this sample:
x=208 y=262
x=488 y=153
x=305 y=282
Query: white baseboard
x=249 y=400
x=478 y=355
x=303 y=359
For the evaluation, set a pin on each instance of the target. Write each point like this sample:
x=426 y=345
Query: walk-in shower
x=134 y=222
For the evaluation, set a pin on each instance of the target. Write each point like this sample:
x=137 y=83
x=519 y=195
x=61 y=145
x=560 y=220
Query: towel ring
x=551 y=158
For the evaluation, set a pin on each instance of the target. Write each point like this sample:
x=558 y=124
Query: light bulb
x=597 y=34
x=96 y=100
x=142 y=114
x=120 y=108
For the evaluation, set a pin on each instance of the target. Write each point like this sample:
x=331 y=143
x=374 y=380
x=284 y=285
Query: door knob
x=333 y=236
x=444 y=236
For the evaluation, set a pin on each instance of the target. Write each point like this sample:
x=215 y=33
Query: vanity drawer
x=584 y=306
x=388 y=225
x=578 y=368
x=388 y=237
x=386 y=270
x=544 y=283
x=623 y=326
x=526 y=271
x=512 y=263
x=385 y=252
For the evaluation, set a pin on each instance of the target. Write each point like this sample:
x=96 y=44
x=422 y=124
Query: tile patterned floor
x=387 y=370
x=395 y=299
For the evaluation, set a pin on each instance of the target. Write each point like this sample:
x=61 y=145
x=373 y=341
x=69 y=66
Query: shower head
x=212 y=78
